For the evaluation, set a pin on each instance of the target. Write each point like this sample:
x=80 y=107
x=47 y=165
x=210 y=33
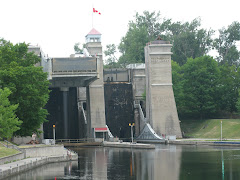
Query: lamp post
x=131 y=130
x=54 y=134
x=221 y=130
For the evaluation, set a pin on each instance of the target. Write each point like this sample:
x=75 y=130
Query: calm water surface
x=166 y=162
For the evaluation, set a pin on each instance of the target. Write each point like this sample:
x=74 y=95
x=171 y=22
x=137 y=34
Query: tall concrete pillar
x=161 y=108
x=65 y=110
x=95 y=91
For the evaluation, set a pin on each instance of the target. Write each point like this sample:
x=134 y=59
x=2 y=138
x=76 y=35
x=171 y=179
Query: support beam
x=65 y=110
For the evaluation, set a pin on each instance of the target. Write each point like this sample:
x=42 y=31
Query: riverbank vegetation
x=7 y=151
x=211 y=128
x=25 y=86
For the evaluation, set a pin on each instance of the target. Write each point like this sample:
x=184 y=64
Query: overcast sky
x=56 y=25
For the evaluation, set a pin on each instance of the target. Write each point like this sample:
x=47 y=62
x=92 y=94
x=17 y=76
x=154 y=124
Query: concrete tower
x=95 y=91
x=161 y=108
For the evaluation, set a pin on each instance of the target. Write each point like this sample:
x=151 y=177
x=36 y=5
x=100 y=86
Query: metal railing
x=141 y=114
x=84 y=140
x=10 y=145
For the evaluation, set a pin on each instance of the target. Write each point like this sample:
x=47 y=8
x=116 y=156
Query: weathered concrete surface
x=116 y=75
x=95 y=93
x=138 y=79
x=38 y=151
x=3 y=160
x=161 y=108
x=23 y=140
x=128 y=145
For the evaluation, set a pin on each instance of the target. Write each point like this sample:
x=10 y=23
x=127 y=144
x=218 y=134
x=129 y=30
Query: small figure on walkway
x=34 y=138
x=33 y=141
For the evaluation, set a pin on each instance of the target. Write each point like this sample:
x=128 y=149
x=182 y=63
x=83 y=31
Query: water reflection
x=165 y=162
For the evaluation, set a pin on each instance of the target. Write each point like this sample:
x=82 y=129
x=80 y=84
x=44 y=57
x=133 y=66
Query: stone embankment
x=34 y=157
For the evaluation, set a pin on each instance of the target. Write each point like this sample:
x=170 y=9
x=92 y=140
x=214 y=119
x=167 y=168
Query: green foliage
x=144 y=95
x=199 y=86
x=189 y=40
x=177 y=80
x=204 y=89
x=132 y=45
x=78 y=49
x=225 y=44
x=111 y=58
x=28 y=83
x=9 y=123
x=238 y=103
x=227 y=90
x=210 y=128
x=142 y=30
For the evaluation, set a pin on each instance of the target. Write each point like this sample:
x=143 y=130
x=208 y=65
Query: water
x=167 y=162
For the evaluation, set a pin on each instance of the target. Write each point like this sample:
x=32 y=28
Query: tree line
x=188 y=38
x=204 y=87
x=23 y=91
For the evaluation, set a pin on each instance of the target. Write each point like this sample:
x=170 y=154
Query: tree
x=188 y=39
x=228 y=87
x=177 y=81
x=238 y=103
x=27 y=82
x=9 y=123
x=79 y=49
x=132 y=45
x=225 y=44
x=144 y=29
x=199 y=87
x=111 y=61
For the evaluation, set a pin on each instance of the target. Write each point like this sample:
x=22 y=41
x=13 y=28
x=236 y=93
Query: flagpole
x=92 y=15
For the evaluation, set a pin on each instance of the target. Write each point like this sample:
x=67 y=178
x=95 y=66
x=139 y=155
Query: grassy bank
x=6 y=151
x=211 y=128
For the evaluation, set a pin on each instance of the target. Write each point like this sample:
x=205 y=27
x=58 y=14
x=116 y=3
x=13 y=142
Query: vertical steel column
x=65 y=114
x=65 y=110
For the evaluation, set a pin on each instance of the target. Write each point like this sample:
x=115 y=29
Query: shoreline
x=38 y=159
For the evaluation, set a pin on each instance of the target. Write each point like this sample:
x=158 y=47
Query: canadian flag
x=96 y=11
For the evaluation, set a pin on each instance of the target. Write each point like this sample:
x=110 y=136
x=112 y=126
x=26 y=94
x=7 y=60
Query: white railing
x=142 y=117
x=109 y=132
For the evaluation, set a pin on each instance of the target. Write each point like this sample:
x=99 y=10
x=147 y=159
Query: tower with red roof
x=95 y=91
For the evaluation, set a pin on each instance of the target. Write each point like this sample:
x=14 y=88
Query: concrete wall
x=138 y=79
x=95 y=93
x=74 y=64
x=57 y=150
x=116 y=75
x=11 y=158
x=31 y=163
x=160 y=102
x=23 y=140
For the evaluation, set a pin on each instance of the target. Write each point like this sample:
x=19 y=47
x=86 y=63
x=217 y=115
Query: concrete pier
x=161 y=108
x=128 y=145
